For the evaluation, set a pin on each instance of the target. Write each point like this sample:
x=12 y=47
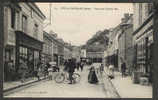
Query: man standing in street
x=70 y=67
x=123 y=68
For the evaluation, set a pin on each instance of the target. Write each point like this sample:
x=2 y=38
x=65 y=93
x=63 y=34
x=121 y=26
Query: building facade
x=125 y=51
x=58 y=49
x=76 y=53
x=24 y=39
x=47 y=53
x=67 y=52
x=111 y=53
x=143 y=38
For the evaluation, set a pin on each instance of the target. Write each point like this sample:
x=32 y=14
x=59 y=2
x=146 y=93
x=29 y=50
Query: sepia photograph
x=78 y=50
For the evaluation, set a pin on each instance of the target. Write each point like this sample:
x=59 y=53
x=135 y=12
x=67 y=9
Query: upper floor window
x=35 y=30
x=13 y=20
x=140 y=13
x=32 y=13
x=24 y=23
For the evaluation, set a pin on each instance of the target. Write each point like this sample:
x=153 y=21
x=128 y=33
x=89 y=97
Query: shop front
x=28 y=50
x=143 y=50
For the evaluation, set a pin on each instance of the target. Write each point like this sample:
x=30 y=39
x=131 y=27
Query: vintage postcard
x=78 y=50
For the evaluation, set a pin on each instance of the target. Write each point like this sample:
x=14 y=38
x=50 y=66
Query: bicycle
x=62 y=76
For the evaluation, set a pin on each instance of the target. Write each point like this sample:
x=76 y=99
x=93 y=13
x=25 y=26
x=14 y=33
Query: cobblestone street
x=52 y=89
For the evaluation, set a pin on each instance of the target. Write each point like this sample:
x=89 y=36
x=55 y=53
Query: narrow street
x=52 y=89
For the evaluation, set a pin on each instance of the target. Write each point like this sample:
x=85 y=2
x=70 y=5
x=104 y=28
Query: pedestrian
x=70 y=68
x=123 y=68
x=38 y=70
x=23 y=70
x=81 y=66
x=46 y=70
x=101 y=69
x=78 y=65
x=50 y=73
x=111 y=71
x=92 y=77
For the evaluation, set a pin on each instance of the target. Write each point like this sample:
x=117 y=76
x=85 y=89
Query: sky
x=75 y=23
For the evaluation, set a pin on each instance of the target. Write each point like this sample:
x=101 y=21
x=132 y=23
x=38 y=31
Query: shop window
x=24 y=23
x=23 y=54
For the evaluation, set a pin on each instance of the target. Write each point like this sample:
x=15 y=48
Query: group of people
x=92 y=77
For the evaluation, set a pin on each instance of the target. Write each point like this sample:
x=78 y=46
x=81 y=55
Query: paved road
x=52 y=89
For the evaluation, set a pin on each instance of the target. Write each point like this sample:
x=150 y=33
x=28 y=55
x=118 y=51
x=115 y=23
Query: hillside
x=98 y=42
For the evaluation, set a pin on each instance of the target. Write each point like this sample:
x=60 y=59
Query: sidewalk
x=7 y=86
x=109 y=89
x=127 y=89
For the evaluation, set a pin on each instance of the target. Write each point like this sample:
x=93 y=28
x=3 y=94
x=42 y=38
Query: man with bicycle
x=70 y=68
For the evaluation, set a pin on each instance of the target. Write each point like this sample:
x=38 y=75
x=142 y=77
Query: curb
x=20 y=86
x=114 y=88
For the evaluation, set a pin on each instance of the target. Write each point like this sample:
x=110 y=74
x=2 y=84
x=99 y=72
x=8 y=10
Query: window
x=13 y=16
x=24 y=23
x=32 y=13
x=140 y=13
x=36 y=31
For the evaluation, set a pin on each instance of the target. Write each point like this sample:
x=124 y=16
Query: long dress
x=92 y=77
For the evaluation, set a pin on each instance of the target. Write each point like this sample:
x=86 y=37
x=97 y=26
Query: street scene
x=78 y=50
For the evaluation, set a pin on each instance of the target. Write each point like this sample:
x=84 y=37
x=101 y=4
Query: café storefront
x=29 y=50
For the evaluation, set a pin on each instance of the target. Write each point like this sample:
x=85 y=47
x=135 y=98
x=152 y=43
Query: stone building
x=47 y=48
x=67 y=52
x=58 y=48
x=76 y=53
x=111 y=52
x=94 y=56
x=125 y=51
x=83 y=54
x=23 y=35
x=143 y=38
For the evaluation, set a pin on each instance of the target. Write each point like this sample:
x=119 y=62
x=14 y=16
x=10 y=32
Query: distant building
x=47 y=48
x=95 y=56
x=58 y=49
x=67 y=52
x=76 y=50
x=83 y=54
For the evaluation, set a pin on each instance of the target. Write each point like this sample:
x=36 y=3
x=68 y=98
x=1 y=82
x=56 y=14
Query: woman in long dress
x=92 y=77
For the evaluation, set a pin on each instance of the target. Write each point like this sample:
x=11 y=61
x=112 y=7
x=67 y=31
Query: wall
x=26 y=10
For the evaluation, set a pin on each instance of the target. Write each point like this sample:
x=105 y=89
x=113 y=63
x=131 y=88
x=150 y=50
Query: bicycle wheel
x=76 y=77
x=59 y=78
